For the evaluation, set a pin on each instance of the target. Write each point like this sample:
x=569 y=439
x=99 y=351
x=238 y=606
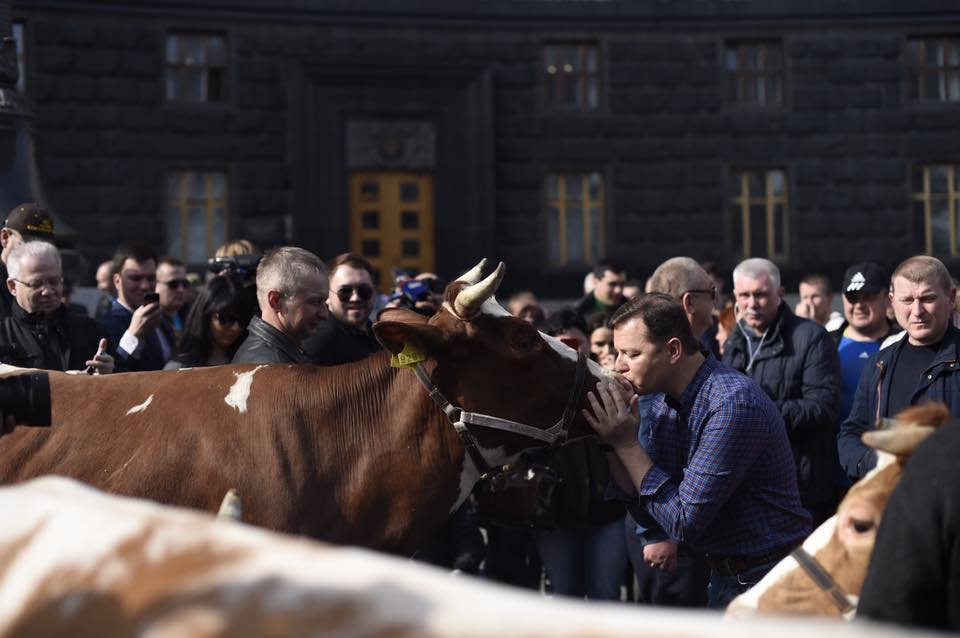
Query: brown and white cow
x=77 y=562
x=842 y=545
x=354 y=454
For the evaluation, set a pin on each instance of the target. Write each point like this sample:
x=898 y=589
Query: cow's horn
x=231 y=508
x=473 y=275
x=468 y=302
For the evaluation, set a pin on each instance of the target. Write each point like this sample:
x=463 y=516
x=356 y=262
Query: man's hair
x=237 y=247
x=284 y=269
x=663 y=317
x=676 y=276
x=924 y=269
x=820 y=281
x=35 y=249
x=755 y=268
x=137 y=251
x=173 y=262
x=604 y=265
x=353 y=260
x=562 y=321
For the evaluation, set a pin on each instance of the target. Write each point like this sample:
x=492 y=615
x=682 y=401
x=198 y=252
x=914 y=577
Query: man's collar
x=693 y=388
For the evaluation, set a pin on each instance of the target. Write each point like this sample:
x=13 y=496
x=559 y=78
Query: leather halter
x=822 y=579
x=460 y=419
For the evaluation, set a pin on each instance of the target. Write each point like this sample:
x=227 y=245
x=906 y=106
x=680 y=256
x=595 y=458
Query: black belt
x=735 y=565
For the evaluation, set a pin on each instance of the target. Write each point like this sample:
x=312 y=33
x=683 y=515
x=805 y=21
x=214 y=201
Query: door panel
x=391 y=221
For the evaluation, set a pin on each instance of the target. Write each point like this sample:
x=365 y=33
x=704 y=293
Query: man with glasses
x=137 y=336
x=40 y=332
x=172 y=286
x=795 y=361
x=26 y=222
x=347 y=335
x=292 y=289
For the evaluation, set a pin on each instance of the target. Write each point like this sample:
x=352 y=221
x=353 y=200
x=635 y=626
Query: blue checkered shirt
x=723 y=479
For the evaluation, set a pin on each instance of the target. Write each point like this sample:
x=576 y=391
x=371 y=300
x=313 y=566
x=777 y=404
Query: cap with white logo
x=866 y=277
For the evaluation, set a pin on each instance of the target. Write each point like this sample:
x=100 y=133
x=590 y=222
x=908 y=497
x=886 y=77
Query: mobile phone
x=150 y=297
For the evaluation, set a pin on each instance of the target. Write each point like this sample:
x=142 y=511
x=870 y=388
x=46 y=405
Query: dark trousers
x=512 y=558
x=686 y=586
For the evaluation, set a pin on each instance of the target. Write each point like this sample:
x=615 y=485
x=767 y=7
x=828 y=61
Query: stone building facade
x=543 y=133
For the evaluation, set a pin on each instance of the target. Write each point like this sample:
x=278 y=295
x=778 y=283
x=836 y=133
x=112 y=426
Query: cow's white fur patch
x=240 y=390
x=142 y=407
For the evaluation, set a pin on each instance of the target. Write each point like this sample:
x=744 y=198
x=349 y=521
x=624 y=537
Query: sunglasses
x=712 y=291
x=227 y=318
x=175 y=283
x=363 y=291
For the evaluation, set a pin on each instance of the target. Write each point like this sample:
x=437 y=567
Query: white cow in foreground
x=75 y=561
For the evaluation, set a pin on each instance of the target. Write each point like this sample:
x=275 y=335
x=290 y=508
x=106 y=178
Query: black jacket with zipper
x=798 y=367
x=940 y=382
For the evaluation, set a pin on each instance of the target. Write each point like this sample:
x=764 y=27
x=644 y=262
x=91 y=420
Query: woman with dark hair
x=216 y=326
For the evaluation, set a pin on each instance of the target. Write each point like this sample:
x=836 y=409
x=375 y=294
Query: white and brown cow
x=357 y=454
x=842 y=545
x=77 y=562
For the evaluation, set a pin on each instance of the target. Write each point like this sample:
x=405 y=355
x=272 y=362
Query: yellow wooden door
x=391 y=221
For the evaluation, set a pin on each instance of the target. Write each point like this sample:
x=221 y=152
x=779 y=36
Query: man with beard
x=346 y=336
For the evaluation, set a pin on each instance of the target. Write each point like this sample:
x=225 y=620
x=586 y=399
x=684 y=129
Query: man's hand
x=803 y=309
x=145 y=319
x=614 y=416
x=101 y=362
x=662 y=555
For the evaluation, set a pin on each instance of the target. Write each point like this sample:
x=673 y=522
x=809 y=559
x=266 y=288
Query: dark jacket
x=65 y=341
x=589 y=305
x=6 y=299
x=335 y=342
x=940 y=382
x=149 y=355
x=266 y=344
x=914 y=572
x=799 y=369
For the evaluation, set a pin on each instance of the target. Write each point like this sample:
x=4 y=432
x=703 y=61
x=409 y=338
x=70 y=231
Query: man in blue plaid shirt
x=718 y=473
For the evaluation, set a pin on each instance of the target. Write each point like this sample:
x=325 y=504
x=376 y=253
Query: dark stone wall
x=663 y=138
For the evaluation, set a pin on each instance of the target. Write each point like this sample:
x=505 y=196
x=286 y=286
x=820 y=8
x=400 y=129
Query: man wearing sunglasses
x=347 y=335
x=172 y=286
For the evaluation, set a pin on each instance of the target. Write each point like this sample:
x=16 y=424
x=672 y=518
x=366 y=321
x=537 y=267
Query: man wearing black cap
x=865 y=325
x=25 y=222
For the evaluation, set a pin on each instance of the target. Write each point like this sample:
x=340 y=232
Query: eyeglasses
x=712 y=291
x=54 y=282
x=344 y=293
x=175 y=283
x=227 y=318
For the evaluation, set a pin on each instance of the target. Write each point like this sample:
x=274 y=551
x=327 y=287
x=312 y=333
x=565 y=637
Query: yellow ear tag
x=409 y=357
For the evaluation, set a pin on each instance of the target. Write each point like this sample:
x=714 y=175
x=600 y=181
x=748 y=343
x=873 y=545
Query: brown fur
x=352 y=454
x=847 y=553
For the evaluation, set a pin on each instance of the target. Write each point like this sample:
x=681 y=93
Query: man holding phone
x=136 y=335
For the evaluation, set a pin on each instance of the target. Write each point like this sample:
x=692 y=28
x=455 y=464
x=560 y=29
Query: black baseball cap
x=867 y=277
x=31 y=221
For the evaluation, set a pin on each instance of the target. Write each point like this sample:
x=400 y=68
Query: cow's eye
x=525 y=340
x=861 y=526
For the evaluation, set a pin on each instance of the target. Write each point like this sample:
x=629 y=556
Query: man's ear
x=4 y=237
x=12 y=286
x=117 y=279
x=273 y=299
x=394 y=335
x=675 y=348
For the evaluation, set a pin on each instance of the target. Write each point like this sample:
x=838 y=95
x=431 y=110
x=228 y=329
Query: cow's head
x=843 y=544
x=484 y=360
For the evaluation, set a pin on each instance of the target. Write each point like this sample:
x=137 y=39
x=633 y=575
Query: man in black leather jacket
x=40 y=333
x=795 y=361
x=292 y=289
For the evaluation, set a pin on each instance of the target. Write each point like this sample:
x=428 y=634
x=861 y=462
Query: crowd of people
x=734 y=428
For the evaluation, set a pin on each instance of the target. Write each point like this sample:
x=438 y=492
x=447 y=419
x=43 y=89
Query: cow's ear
x=397 y=336
x=403 y=315
x=900 y=441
